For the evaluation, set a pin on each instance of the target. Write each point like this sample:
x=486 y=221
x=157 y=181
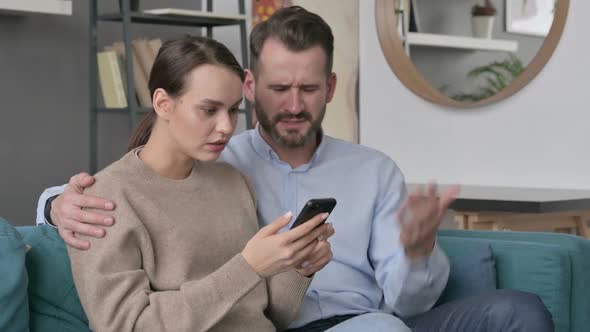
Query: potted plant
x=482 y=19
x=496 y=75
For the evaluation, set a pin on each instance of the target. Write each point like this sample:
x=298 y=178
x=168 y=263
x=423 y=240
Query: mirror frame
x=401 y=64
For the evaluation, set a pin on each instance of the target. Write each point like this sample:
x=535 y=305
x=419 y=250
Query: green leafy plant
x=497 y=75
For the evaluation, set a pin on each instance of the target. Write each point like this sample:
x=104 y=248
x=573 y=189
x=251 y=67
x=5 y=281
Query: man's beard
x=293 y=139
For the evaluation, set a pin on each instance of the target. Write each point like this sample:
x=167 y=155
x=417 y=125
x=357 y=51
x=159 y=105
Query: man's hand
x=420 y=217
x=68 y=214
x=320 y=257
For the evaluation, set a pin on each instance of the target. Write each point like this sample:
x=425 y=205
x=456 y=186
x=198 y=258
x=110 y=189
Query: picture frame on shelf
x=414 y=18
x=530 y=17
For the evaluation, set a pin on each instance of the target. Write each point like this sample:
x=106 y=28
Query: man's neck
x=295 y=157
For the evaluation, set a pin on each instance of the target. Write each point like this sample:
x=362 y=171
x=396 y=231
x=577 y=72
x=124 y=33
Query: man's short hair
x=298 y=29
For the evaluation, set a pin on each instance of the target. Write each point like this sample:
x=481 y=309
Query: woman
x=185 y=254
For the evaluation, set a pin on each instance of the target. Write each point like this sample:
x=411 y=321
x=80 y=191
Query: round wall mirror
x=468 y=53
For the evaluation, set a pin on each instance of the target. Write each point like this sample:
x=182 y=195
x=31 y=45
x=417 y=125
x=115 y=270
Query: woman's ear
x=249 y=85
x=163 y=103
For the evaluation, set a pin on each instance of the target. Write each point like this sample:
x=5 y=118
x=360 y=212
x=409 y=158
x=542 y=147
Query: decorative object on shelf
x=530 y=17
x=414 y=18
x=497 y=75
x=402 y=8
x=133 y=5
x=262 y=9
x=482 y=19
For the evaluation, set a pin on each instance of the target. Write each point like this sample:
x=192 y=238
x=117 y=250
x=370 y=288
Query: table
x=522 y=209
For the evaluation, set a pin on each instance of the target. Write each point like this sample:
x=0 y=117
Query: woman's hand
x=269 y=253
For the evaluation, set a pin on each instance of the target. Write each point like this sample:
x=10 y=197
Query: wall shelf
x=202 y=20
x=460 y=42
x=57 y=7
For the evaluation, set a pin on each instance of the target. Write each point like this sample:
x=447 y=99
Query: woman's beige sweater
x=172 y=262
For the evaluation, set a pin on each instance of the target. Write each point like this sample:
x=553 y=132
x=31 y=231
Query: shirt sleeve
x=47 y=193
x=409 y=288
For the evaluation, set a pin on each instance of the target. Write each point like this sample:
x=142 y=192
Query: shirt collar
x=266 y=152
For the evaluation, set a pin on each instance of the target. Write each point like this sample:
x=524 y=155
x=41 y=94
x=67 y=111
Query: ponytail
x=142 y=132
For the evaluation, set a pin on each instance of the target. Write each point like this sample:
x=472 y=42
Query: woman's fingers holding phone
x=305 y=228
x=316 y=235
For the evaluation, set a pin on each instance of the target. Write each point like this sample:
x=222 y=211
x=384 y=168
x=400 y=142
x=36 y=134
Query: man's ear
x=163 y=104
x=249 y=85
x=331 y=87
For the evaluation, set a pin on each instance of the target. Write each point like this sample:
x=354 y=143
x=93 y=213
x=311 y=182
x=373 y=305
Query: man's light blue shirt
x=370 y=271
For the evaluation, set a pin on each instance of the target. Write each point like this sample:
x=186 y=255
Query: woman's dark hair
x=175 y=60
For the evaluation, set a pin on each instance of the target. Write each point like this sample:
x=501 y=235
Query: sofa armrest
x=538 y=268
x=579 y=251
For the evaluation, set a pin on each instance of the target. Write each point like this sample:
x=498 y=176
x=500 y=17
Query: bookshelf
x=168 y=16
x=57 y=7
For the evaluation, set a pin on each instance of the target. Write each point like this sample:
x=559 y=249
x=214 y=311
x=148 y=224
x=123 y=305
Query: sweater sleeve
x=115 y=289
x=286 y=292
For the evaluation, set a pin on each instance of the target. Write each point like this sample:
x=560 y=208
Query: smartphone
x=312 y=208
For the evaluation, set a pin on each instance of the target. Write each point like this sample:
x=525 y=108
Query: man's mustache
x=288 y=116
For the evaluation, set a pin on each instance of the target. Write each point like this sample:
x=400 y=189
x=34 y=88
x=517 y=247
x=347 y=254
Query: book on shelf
x=111 y=78
x=139 y=76
x=111 y=65
x=145 y=55
x=155 y=45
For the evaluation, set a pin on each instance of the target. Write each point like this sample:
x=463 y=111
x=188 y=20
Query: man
x=387 y=266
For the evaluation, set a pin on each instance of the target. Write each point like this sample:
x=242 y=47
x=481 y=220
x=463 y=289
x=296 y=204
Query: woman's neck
x=161 y=157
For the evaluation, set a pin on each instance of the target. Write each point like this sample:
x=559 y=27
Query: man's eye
x=279 y=88
x=234 y=110
x=210 y=111
x=310 y=89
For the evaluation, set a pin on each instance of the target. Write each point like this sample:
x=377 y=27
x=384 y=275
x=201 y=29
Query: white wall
x=537 y=138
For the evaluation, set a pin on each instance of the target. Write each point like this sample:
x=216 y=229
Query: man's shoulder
x=338 y=148
x=239 y=150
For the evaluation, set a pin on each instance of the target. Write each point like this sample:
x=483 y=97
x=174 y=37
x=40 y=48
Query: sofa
x=553 y=266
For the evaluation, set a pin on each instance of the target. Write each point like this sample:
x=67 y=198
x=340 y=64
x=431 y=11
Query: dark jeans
x=501 y=310
x=497 y=311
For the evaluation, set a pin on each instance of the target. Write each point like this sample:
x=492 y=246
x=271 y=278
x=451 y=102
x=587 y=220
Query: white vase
x=482 y=26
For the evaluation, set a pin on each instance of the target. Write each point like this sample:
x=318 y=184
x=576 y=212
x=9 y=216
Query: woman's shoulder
x=222 y=169
x=113 y=178
x=227 y=175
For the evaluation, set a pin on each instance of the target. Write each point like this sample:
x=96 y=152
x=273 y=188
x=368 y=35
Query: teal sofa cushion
x=543 y=269
x=472 y=272
x=53 y=300
x=14 y=312
x=578 y=250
